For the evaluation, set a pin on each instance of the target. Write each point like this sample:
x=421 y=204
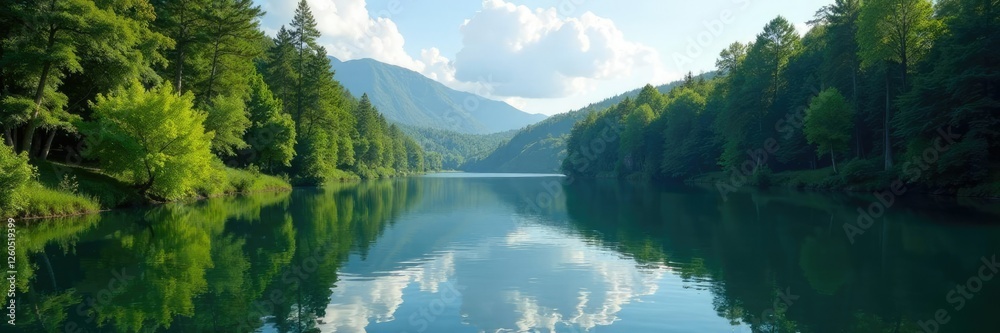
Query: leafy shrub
x=763 y=177
x=14 y=180
x=152 y=139
x=69 y=184
x=859 y=171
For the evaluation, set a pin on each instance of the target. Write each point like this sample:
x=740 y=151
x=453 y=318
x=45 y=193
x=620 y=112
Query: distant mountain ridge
x=541 y=148
x=409 y=98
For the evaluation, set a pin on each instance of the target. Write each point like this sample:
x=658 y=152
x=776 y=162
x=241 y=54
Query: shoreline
x=199 y=198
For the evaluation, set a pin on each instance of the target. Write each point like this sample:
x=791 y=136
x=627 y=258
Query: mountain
x=409 y=98
x=541 y=148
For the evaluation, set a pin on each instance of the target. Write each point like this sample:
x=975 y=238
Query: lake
x=516 y=253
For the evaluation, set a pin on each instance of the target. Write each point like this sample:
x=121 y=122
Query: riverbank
x=62 y=190
x=850 y=178
x=67 y=190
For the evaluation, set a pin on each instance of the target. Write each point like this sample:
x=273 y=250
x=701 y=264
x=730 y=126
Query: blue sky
x=542 y=56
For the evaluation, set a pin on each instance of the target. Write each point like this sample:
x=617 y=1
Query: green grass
x=990 y=188
x=244 y=181
x=108 y=191
x=46 y=202
x=54 y=195
x=818 y=178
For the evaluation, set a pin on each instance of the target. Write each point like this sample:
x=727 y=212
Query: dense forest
x=171 y=100
x=541 y=147
x=877 y=92
x=450 y=150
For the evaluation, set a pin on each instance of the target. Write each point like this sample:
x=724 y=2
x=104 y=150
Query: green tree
x=841 y=65
x=633 y=143
x=271 y=135
x=730 y=58
x=49 y=43
x=683 y=135
x=234 y=40
x=434 y=161
x=227 y=118
x=280 y=73
x=899 y=32
x=183 y=21
x=153 y=139
x=828 y=124
x=755 y=86
x=14 y=180
x=957 y=91
x=303 y=38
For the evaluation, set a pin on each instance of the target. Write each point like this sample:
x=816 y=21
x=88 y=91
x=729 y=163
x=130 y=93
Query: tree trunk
x=211 y=76
x=48 y=145
x=834 y=160
x=39 y=93
x=13 y=138
x=35 y=141
x=179 y=72
x=857 y=124
x=887 y=137
x=7 y=139
x=29 y=132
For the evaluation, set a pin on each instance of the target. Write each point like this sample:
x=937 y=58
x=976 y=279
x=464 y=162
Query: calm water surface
x=521 y=253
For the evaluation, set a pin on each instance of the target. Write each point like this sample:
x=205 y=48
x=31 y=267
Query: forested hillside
x=410 y=98
x=876 y=93
x=448 y=150
x=541 y=148
x=160 y=97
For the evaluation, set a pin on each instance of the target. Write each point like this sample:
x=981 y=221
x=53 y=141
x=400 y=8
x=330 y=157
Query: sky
x=541 y=56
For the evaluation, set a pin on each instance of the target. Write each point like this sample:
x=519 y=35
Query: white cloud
x=513 y=53
x=538 y=54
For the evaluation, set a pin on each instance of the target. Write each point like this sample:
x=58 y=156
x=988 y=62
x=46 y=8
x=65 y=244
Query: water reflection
x=461 y=254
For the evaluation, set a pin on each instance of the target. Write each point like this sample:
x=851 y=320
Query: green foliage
x=69 y=184
x=828 y=124
x=14 y=181
x=859 y=171
x=457 y=148
x=158 y=144
x=766 y=109
x=108 y=191
x=543 y=147
x=435 y=161
x=250 y=181
x=411 y=99
x=53 y=39
x=271 y=136
x=152 y=139
x=44 y=202
x=227 y=120
x=956 y=92
x=684 y=136
x=900 y=31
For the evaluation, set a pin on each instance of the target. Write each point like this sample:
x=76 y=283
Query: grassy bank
x=41 y=201
x=856 y=176
x=63 y=190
